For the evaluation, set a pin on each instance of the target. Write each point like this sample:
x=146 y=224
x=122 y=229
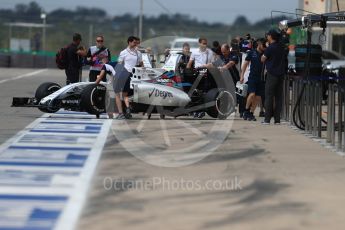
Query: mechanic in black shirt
x=274 y=58
x=75 y=53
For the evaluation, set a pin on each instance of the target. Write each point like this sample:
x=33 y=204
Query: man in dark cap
x=246 y=44
x=275 y=61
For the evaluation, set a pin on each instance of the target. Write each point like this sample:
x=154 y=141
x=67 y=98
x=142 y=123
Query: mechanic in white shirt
x=128 y=58
x=202 y=56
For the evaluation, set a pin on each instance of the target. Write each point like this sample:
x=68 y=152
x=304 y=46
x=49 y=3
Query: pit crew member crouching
x=107 y=69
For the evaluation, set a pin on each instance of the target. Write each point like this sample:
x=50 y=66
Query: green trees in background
x=117 y=28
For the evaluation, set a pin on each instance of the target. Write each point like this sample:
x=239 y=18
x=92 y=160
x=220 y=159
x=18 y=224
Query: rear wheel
x=222 y=103
x=93 y=99
x=44 y=90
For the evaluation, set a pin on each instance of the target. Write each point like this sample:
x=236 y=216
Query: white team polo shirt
x=202 y=57
x=130 y=58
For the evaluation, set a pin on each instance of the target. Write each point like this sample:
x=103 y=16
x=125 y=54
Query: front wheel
x=93 y=99
x=44 y=90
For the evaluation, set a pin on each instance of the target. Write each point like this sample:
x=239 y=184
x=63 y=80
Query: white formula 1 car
x=209 y=91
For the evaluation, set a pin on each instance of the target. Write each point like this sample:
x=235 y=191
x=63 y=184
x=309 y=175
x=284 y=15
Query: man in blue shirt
x=255 y=79
x=274 y=58
x=230 y=60
x=227 y=61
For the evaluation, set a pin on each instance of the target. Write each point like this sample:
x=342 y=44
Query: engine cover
x=159 y=95
x=146 y=74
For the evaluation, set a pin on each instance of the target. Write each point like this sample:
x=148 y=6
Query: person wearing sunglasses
x=94 y=57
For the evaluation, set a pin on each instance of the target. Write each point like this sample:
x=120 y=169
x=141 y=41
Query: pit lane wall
x=27 y=60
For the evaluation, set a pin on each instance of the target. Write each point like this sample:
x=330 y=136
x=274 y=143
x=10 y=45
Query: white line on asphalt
x=71 y=214
x=141 y=125
x=165 y=132
x=192 y=129
x=24 y=75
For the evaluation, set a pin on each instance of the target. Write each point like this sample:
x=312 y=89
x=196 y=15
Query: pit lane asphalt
x=14 y=119
x=288 y=181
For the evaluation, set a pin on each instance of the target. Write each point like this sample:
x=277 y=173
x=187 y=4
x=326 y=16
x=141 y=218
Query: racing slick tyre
x=93 y=99
x=44 y=90
x=223 y=103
